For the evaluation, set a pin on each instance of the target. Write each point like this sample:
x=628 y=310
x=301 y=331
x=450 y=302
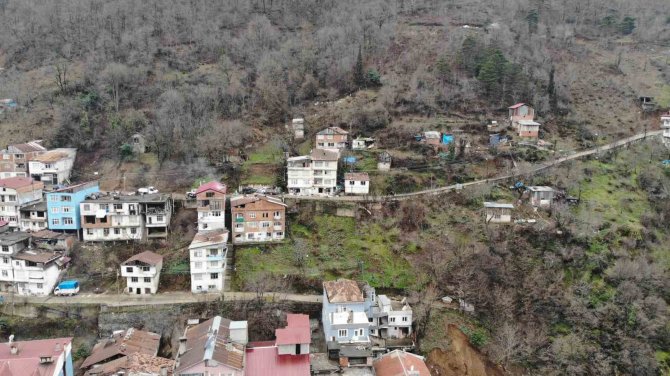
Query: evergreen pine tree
x=359 y=74
x=551 y=90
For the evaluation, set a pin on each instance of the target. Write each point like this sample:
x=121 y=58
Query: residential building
x=55 y=241
x=138 y=143
x=498 y=213
x=112 y=217
x=313 y=174
x=357 y=183
x=332 y=138
x=384 y=161
x=389 y=319
x=211 y=201
x=142 y=272
x=213 y=347
x=208 y=254
x=665 y=124
x=135 y=364
x=63 y=206
x=36 y=271
x=15 y=158
x=53 y=167
x=528 y=129
x=33 y=216
x=345 y=323
x=541 y=196
x=363 y=143
x=11 y=243
x=432 y=138
x=400 y=363
x=257 y=218
x=121 y=344
x=43 y=357
x=15 y=192
x=297 y=126
x=520 y=111
x=287 y=355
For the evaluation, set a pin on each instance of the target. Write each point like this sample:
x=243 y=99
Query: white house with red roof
x=211 y=199
x=142 y=272
x=15 y=192
x=287 y=355
x=44 y=357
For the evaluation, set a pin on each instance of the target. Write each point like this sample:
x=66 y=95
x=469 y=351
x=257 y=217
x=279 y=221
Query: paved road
x=113 y=300
x=537 y=168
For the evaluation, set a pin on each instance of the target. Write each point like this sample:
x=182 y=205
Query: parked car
x=248 y=190
x=147 y=190
x=191 y=194
x=67 y=288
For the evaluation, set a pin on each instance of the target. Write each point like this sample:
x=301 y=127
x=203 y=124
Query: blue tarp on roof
x=447 y=138
x=68 y=285
x=349 y=159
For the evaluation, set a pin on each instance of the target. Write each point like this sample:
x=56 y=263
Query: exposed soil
x=461 y=359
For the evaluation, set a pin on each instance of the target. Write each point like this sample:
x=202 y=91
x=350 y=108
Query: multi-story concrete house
x=332 y=138
x=288 y=355
x=208 y=254
x=15 y=192
x=121 y=343
x=14 y=159
x=211 y=198
x=357 y=183
x=297 y=126
x=389 y=319
x=313 y=174
x=112 y=217
x=44 y=357
x=25 y=270
x=33 y=216
x=53 y=167
x=64 y=209
x=142 y=272
x=345 y=323
x=257 y=218
x=213 y=347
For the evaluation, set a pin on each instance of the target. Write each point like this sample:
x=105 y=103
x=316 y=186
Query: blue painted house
x=63 y=206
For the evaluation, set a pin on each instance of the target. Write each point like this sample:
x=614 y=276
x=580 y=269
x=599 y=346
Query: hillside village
x=358 y=188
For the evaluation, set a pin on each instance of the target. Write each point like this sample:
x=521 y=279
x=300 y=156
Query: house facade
x=142 y=273
x=389 y=319
x=332 y=138
x=211 y=201
x=520 y=111
x=498 y=213
x=541 y=196
x=208 y=255
x=14 y=159
x=53 y=167
x=665 y=125
x=124 y=218
x=213 y=347
x=528 y=129
x=384 y=161
x=44 y=357
x=257 y=218
x=33 y=216
x=11 y=243
x=357 y=183
x=14 y=193
x=63 y=206
x=363 y=143
x=314 y=174
x=297 y=126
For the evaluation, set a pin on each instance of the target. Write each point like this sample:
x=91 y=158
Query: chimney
x=182 y=345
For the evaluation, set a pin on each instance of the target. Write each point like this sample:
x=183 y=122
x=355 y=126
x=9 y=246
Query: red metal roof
x=517 y=105
x=213 y=186
x=16 y=182
x=27 y=360
x=400 y=363
x=296 y=331
x=265 y=361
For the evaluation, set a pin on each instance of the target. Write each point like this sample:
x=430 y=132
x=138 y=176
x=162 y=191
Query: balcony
x=218 y=257
x=239 y=220
x=239 y=229
x=277 y=228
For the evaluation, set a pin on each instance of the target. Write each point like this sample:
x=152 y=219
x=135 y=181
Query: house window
x=342 y=333
x=252 y=224
x=213 y=252
x=405 y=318
x=68 y=220
x=197 y=277
x=197 y=265
x=105 y=231
x=266 y=215
x=279 y=234
x=67 y=209
x=129 y=269
x=362 y=183
x=118 y=206
x=55 y=210
x=89 y=231
x=130 y=289
x=214 y=276
x=117 y=231
x=197 y=253
x=146 y=268
x=5 y=260
x=252 y=215
x=5 y=248
x=277 y=214
x=133 y=230
x=277 y=223
x=239 y=215
x=209 y=194
x=392 y=319
x=147 y=280
x=104 y=207
x=213 y=264
x=134 y=279
x=66 y=198
x=351 y=182
x=40 y=285
x=4 y=273
x=358 y=332
x=239 y=225
x=265 y=224
x=55 y=221
x=211 y=287
x=216 y=214
x=87 y=207
x=159 y=218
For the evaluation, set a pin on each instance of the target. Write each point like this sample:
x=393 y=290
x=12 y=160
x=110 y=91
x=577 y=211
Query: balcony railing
x=239 y=220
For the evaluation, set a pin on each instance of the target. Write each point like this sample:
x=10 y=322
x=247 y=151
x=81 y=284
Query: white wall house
x=33 y=216
x=357 y=183
x=53 y=167
x=208 y=252
x=142 y=273
x=665 y=124
x=391 y=319
x=498 y=213
x=541 y=196
x=314 y=174
x=14 y=193
x=211 y=206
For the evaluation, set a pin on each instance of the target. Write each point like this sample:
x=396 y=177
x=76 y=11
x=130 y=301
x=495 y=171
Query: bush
x=82 y=352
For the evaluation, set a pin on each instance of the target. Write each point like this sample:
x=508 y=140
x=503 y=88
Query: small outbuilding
x=528 y=129
x=498 y=212
x=541 y=196
x=139 y=144
x=384 y=161
x=363 y=143
x=357 y=183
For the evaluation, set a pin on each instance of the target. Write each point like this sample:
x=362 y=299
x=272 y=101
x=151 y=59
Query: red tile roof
x=296 y=331
x=212 y=186
x=358 y=176
x=16 y=182
x=146 y=257
x=123 y=343
x=517 y=105
x=266 y=361
x=27 y=361
x=400 y=363
x=343 y=291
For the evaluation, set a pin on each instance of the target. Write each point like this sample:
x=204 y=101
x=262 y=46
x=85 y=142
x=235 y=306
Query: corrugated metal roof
x=497 y=205
x=400 y=363
x=517 y=105
x=266 y=361
x=358 y=176
x=212 y=186
x=296 y=331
